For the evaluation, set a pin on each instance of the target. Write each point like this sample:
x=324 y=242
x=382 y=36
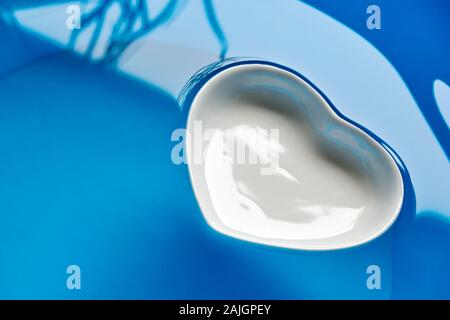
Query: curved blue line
x=215 y=26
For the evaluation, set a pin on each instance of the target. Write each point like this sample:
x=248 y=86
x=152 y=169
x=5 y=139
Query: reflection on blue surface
x=133 y=23
x=86 y=179
x=215 y=26
x=442 y=96
x=413 y=39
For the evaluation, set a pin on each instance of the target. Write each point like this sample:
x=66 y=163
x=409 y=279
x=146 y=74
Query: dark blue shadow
x=422 y=259
x=414 y=38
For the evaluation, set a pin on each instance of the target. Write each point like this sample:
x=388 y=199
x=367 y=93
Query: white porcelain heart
x=272 y=162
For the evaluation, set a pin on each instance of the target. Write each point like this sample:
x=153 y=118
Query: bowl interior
x=271 y=162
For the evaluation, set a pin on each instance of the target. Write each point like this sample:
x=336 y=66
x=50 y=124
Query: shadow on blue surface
x=413 y=39
x=422 y=259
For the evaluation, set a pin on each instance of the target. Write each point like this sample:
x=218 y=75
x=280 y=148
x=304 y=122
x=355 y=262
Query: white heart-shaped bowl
x=272 y=161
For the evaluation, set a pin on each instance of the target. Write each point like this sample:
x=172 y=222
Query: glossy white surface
x=316 y=182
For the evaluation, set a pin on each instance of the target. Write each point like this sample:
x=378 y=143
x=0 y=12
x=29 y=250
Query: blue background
x=86 y=176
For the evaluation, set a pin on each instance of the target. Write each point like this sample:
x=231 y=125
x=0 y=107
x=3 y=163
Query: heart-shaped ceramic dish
x=273 y=162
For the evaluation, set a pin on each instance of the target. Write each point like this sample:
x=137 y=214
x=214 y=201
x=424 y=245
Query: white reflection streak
x=238 y=208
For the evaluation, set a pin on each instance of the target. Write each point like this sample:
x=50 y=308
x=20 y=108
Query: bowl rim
x=201 y=84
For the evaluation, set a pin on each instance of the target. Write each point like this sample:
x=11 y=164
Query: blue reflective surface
x=86 y=176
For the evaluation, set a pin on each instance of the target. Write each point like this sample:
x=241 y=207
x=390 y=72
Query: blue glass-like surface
x=85 y=170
